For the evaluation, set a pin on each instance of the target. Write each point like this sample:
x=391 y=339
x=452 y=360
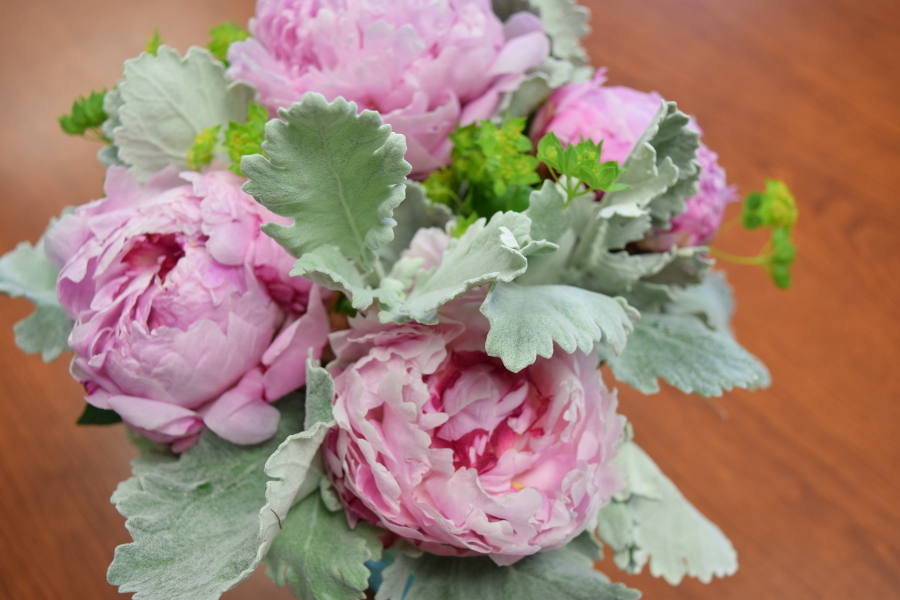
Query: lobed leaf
x=319 y=557
x=417 y=211
x=686 y=353
x=337 y=173
x=526 y=322
x=165 y=101
x=487 y=252
x=563 y=573
x=195 y=518
x=296 y=466
x=26 y=272
x=661 y=171
x=652 y=522
x=329 y=268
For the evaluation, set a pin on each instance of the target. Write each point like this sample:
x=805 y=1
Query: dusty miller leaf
x=652 y=521
x=661 y=170
x=414 y=213
x=26 y=272
x=329 y=268
x=339 y=175
x=319 y=556
x=564 y=21
x=688 y=266
x=526 y=321
x=686 y=353
x=195 y=518
x=711 y=301
x=316 y=553
x=487 y=252
x=615 y=273
x=296 y=466
x=563 y=573
x=650 y=297
x=547 y=211
x=319 y=394
x=165 y=100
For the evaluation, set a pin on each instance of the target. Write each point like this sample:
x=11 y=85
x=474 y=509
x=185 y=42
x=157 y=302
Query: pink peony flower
x=425 y=66
x=184 y=312
x=619 y=116
x=440 y=444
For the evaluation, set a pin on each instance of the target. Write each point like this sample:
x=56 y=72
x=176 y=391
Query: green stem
x=733 y=222
x=758 y=260
x=379 y=270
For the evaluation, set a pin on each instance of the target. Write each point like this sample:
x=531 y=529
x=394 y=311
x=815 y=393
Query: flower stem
x=759 y=260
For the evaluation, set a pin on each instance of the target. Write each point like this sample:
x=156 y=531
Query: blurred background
x=803 y=476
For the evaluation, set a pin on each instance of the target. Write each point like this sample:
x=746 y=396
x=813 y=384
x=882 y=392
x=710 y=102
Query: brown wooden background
x=802 y=476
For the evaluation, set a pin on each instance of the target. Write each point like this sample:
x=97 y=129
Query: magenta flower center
x=161 y=250
x=490 y=409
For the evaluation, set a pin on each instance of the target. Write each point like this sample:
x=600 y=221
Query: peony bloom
x=184 y=312
x=425 y=66
x=440 y=444
x=619 y=116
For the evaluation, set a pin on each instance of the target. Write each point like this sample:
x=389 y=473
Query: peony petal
x=286 y=355
x=241 y=415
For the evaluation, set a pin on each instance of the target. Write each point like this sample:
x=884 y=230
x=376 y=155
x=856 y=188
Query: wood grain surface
x=801 y=476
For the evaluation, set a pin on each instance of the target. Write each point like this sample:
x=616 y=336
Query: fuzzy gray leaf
x=164 y=101
x=688 y=266
x=686 y=353
x=195 y=518
x=655 y=523
x=414 y=213
x=337 y=173
x=526 y=322
x=661 y=170
x=296 y=466
x=547 y=211
x=563 y=573
x=319 y=556
x=487 y=252
x=329 y=268
x=26 y=272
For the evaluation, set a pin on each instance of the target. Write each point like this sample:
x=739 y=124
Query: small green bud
x=223 y=36
x=154 y=43
x=775 y=207
x=440 y=186
x=243 y=139
x=201 y=153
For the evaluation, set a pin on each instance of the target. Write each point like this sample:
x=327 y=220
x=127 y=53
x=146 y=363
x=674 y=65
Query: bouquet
x=349 y=290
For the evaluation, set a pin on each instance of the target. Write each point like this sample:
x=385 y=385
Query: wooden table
x=802 y=476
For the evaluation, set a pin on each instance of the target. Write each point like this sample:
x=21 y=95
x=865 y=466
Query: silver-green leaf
x=547 y=211
x=319 y=556
x=296 y=466
x=337 y=173
x=414 y=213
x=661 y=170
x=563 y=573
x=652 y=521
x=26 y=272
x=194 y=518
x=319 y=393
x=329 y=268
x=165 y=100
x=565 y=22
x=526 y=322
x=487 y=252
x=689 y=355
